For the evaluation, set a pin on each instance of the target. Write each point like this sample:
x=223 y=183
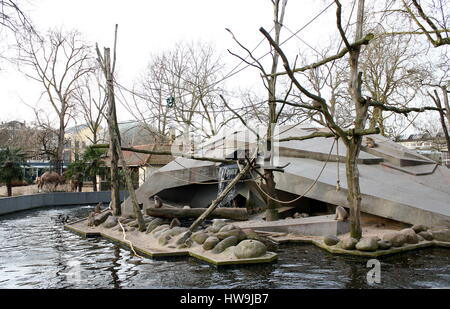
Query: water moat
x=36 y=252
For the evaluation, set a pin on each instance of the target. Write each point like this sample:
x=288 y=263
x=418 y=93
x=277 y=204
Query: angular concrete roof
x=396 y=182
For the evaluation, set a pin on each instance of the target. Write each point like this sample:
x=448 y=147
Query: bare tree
x=180 y=88
x=431 y=17
x=57 y=61
x=390 y=73
x=351 y=138
x=91 y=98
x=12 y=17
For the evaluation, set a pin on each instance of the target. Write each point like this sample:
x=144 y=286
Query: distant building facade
x=433 y=146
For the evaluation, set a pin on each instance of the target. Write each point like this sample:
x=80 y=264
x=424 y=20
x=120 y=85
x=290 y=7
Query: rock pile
x=413 y=235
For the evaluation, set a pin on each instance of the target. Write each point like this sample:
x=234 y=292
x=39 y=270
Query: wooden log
x=219 y=213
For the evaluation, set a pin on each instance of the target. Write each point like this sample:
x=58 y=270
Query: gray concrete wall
x=25 y=202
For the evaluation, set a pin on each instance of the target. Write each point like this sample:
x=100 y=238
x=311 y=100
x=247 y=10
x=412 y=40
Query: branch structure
x=351 y=132
x=131 y=149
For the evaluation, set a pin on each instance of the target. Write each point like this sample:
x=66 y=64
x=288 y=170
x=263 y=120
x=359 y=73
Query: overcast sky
x=147 y=27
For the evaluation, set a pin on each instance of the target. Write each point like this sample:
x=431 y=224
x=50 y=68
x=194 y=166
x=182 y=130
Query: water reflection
x=36 y=252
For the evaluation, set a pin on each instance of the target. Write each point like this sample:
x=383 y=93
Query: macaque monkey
x=370 y=142
x=158 y=201
x=90 y=219
x=341 y=214
x=98 y=208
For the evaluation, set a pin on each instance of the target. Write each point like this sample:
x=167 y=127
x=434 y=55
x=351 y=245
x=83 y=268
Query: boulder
x=227 y=227
x=175 y=222
x=395 y=238
x=251 y=234
x=133 y=223
x=175 y=231
x=124 y=220
x=420 y=238
x=367 y=244
x=411 y=236
x=160 y=227
x=347 y=243
x=199 y=237
x=331 y=240
x=164 y=239
x=100 y=218
x=186 y=244
x=110 y=222
x=148 y=219
x=227 y=242
x=441 y=235
x=216 y=226
x=153 y=224
x=426 y=235
x=240 y=235
x=156 y=233
x=384 y=245
x=249 y=248
x=210 y=242
x=419 y=228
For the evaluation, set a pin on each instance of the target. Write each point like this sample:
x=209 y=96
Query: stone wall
x=25 y=202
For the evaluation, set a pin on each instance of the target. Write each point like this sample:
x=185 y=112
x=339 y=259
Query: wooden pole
x=114 y=172
x=115 y=141
x=239 y=214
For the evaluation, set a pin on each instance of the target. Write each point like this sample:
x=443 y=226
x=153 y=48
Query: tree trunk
x=114 y=170
x=9 y=189
x=221 y=213
x=437 y=101
x=94 y=183
x=115 y=138
x=59 y=160
x=354 y=191
x=354 y=144
x=271 y=212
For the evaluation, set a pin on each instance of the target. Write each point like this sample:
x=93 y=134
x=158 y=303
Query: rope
x=338 y=181
x=125 y=239
x=307 y=190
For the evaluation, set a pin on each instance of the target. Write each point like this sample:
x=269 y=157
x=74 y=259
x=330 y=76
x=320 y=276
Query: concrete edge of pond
x=269 y=257
x=9 y=205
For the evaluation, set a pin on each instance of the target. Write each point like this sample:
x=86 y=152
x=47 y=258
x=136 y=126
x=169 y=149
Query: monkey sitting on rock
x=91 y=219
x=98 y=208
x=341 y=214
x=158 y=201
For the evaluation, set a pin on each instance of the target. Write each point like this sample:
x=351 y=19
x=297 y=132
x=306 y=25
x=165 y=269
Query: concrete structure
x=396 y=183
x=313 y=226
x=26 y=202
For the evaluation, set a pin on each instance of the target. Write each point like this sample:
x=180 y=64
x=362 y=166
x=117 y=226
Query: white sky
x=151 y=26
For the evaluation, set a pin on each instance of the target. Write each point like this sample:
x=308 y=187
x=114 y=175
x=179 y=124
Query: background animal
x=51 y=180
x=76 y=182
x=341 y=214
